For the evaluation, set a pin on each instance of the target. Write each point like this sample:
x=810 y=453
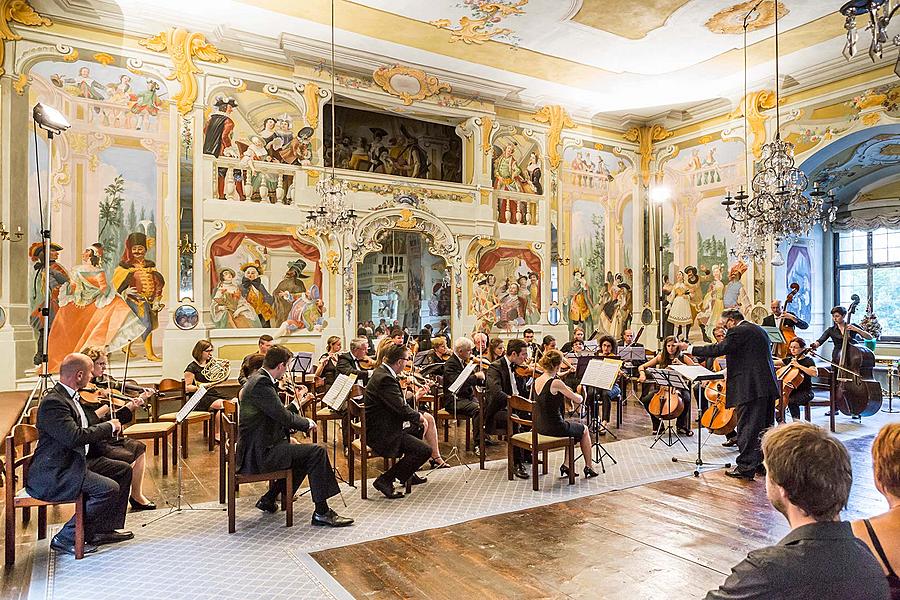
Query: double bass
x=856 y=391
x=782 y=350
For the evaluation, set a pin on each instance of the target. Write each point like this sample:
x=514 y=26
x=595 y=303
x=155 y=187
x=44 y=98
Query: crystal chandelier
x=779 y=208
x=332 y=216
x=880 y=13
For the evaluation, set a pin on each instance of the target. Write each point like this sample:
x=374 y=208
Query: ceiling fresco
x=593 y=56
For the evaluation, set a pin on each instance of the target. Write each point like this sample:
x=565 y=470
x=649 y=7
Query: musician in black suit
x=628 y=340
x=502 y=381
x=788 y=319
x=348 y=362
x=531 y=347
x=61 y=471
x=750 y=380
x=264 y=443
x=252 y=362
x=463 y=402
x=393 y=428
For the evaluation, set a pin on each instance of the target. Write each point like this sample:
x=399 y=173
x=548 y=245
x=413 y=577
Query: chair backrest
x=22 y=436
x=31 y=415
x=356 y=410
x=522 y=405
x=229 y=435
x=173 y=389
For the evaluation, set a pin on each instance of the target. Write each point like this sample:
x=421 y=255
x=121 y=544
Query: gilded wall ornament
x=20 y=83
x=408 y=84
x=104 y=59
x=480 y=27
x=17 y=11
x=646 y=138
x=756 y=103
x=183 y=48
x=487 y=126
x=407 y=220
x=333 y=262
x=557 y=117
x=311 y=94
x=730 y=21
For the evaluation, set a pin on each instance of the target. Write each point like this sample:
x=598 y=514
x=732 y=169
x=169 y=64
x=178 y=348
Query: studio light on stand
x=53 y=123
x=659 y=195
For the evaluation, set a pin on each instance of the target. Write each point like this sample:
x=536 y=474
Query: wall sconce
x=564 y=260
x=5 y=234
x=186 y=246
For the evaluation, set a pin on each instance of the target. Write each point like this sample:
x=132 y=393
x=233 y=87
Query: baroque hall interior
x=184 y=186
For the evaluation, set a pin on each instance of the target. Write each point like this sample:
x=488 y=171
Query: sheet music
x=601 y=373
x=462 y=378
x=191 y=404
x=694 y=372
x=338 y=392
x=592 y=346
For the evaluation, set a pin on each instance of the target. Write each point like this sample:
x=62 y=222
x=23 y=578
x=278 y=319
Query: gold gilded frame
x=429 y=85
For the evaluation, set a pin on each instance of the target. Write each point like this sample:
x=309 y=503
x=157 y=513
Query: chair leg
x=572 y=462
x=289 y=499
x=509 y=460
x=468 y=435
x=165 y=452
x=223 y=465
x=363 y=477
x=534 y=469
x=211 y=442
x=351 y=458
x=446 y=430
x=156 y=446
x=807 y=410
x=10 y=534
x=26 y=515
x=315 y=433
x=42 y=522
x=79 y=527
x=544 y=462
x=324 y=431
x=231 y=503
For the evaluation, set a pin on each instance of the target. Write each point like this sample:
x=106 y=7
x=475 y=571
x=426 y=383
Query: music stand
x=595 y=425
x=667 y=378
x=336 y=399
x=631 y=356
x=301 y=363
x=774 y=333
x=453 y=389
x=696 y=382
x=182 y=414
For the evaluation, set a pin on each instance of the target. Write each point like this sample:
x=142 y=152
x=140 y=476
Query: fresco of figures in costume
x=516 y=165
x=507 y=291
x=266 y=281
x=701 y=277
x=381 y=143
x=106 y=289
x=251 y=128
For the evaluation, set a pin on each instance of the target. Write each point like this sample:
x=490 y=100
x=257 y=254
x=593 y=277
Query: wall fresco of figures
x=517 y=163
x=392 y=145
x=109 y=169
x=266 y=281
x=507 y=290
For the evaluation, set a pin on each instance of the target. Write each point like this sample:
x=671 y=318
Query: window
x=868 y=264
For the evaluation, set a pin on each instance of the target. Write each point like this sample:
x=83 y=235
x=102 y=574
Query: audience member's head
x=886 y=462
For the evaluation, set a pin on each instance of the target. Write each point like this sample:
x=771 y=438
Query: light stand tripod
x=696 y=393
x=53 y=122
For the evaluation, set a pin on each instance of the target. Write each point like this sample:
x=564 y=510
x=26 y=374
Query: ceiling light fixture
x=880 y=14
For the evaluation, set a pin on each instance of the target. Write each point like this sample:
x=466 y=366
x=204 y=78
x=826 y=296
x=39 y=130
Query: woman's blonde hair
x=886 y=458
x=94 y=352
x=551 y=360
x=330 y=342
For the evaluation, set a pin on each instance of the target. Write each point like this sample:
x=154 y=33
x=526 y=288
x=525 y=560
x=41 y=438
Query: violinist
x=607 y=397
x=671 y=354
x=835 y=333
x=463 y=402
x=120 y=448
x=495 y=349
x=479 y=343
x=356 y=361
x=531 y=347
x=252 y=362
x=548 y=343
x=327 y=367
x=802 y=393
x=440 y=351
x=577 y=336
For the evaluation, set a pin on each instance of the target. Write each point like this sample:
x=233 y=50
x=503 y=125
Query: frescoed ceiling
x=592 y=56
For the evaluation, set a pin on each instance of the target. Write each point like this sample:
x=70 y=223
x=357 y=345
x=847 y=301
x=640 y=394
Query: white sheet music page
x=601 y=373
x=462 y=378
x=692 y=372
x=336 y=395
x=191 y=404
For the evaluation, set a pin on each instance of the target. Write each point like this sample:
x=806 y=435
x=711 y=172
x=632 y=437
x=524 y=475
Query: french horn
x=216 y=371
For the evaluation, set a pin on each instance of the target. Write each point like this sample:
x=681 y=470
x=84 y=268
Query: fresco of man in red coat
x=58 y=278
x=217 y=141
x=137 y=279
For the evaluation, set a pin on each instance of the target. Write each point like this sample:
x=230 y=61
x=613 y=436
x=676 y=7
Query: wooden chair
x=444 y=416
x=356 y=419
x=25 y=436
x=533 y=442
x=158 y=432
x=195 y=416
x=323 y=414
x=228 y=417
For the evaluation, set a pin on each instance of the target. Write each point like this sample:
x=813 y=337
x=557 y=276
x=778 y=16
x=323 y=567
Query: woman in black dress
x=121 y=448
x=549 y=405
x=835 y=333
x=193 y=375
x=803 y=393
x=327 y=367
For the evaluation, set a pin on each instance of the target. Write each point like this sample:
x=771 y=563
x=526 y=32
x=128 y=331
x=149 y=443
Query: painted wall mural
x=507 y=290
x=382 y=143
x=266 y=281
x=108 y=186
x=517 y=163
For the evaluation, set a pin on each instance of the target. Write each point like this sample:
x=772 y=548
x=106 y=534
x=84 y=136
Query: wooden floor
x=684 y=533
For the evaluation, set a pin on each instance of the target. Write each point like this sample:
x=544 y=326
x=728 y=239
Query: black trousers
x=752 y=421
x=414 y=452
x=796 y=400
x=106 y=487
x=466 y=407
x=496 y=411
x=308 y=460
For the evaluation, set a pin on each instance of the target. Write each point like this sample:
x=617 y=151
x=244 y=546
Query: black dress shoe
x=520 y=472
x=740 y=474
x=266 y=505
x=416 y=480
x=111 y=537
x=136 y=506
x=730 y=443
x=438 y=465
x=489 y=441
x=66 y=548
x=331 y=519
x=387 y=488
x=564 y=471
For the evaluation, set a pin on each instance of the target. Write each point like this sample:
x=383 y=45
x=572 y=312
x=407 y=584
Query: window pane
x=853 y=248
x=852 y=281
x=886 y=300
x=886 y=245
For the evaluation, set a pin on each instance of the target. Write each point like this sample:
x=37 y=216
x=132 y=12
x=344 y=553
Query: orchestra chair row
x=230 y=479
x=520 y=412
x=19 y=454
x=356 y=410
x=173 y=389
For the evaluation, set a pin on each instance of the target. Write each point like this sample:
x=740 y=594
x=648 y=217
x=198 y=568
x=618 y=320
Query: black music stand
x=453 y=389
x=696 y=393
x=301 y=363
x=667 y=434
x=632 y=356
x=595 y=425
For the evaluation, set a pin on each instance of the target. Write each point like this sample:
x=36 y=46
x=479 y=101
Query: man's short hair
x=361 y=331
x=515 y=346
x=265 y=338
x=277 y=355
x=394 y=353
x=886 y=458
x=812 y=467
x=359 y=342
x=732 y=313
x=528 y=330
x=462 y=344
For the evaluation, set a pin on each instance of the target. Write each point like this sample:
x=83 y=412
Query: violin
x=782 y=350
x=366 y=362
x=857 y=395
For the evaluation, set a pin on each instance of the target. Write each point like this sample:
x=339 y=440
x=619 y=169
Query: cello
x=717 y=418
x=781 y=350
x=856 y=391
x=790 y=378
